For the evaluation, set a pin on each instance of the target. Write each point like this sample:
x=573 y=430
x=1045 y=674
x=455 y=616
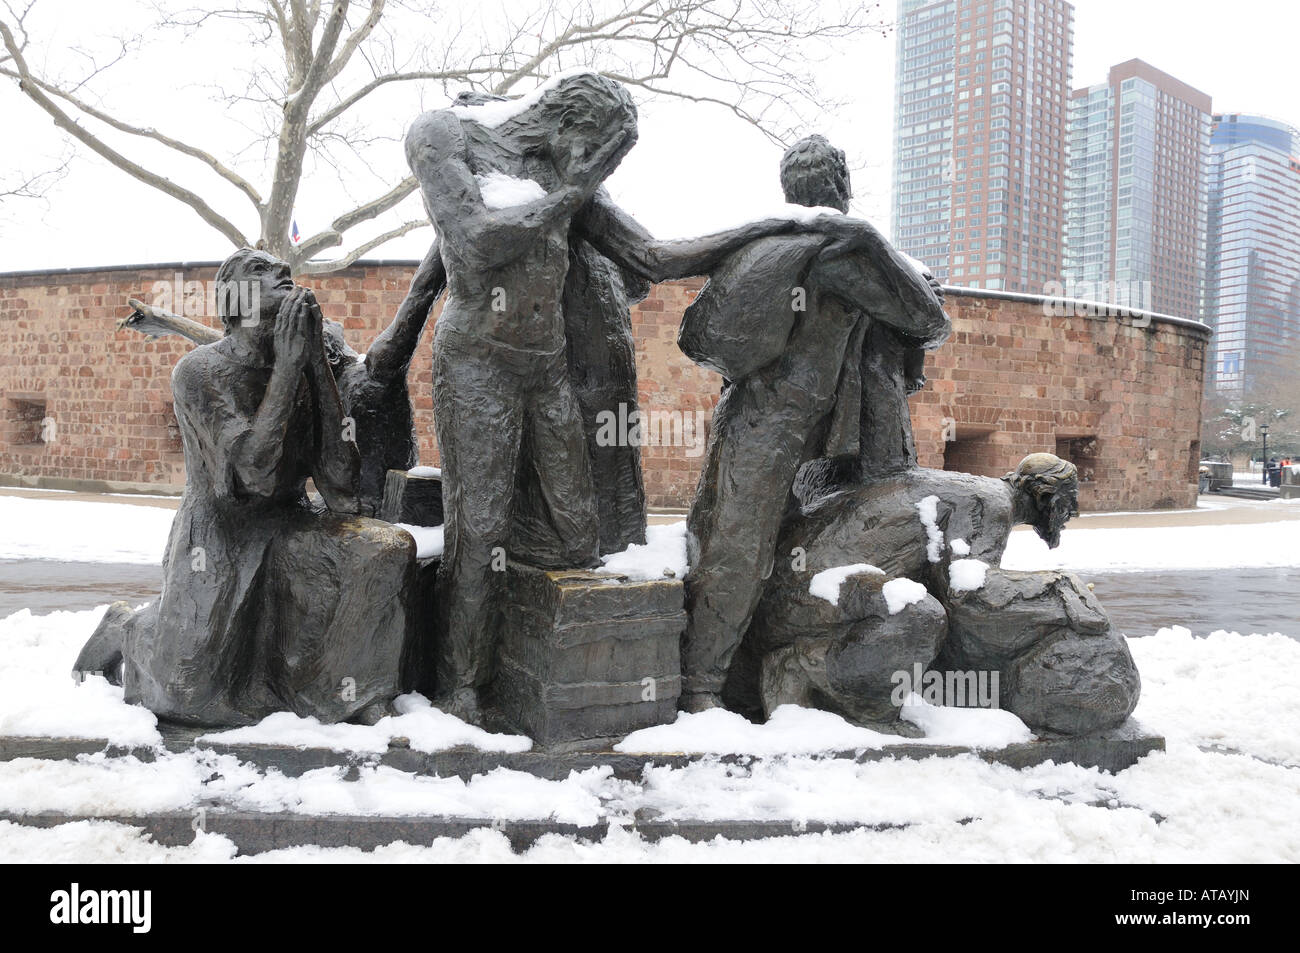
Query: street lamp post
x=1263 y=432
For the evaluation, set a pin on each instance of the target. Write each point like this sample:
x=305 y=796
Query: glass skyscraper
x=1136 y=213
x=1253 y=277
x=981 y=93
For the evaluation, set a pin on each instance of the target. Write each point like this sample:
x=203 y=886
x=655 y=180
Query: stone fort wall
x=84 y=405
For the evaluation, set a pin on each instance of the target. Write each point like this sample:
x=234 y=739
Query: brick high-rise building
x=1253 y=277
x=1136 y=215
x=981 y=95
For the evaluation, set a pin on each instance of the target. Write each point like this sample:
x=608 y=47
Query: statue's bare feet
x=695 y=702
x=463 y=703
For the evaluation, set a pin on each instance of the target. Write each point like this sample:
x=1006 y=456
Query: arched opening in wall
x=1083 y=451
x=1194 y=462
x=27 y=425
x=972 y=451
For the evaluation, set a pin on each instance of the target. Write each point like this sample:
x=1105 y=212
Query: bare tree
x=310 y=64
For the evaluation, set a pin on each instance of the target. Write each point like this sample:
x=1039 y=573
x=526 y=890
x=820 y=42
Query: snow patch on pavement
x=1229 y=546
x=78 y=531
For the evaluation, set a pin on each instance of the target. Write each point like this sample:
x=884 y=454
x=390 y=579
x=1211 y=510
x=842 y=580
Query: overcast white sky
x=694 y=168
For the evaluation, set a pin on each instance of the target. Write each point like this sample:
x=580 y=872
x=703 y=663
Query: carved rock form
x=848 y=667
x=1062 y=666
x=879 y=523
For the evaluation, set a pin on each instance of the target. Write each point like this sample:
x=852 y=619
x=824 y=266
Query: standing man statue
x=507 y=185
x=798 y=401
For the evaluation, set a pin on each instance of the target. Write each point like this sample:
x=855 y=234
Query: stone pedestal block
x=412 y=499
x=587 y=657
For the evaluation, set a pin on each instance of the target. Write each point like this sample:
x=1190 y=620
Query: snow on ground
x=1228 y=690
x=427 y=729
x=1224 y=690
x=38 y=695
x=663 y=554
x=790 y=730
x=78 y=531
x=1229 y=546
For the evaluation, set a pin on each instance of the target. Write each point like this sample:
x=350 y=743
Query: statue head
x=814 y=173
x=251 y=285
x=337 y=352
x=1047 y=494
x=574 y=118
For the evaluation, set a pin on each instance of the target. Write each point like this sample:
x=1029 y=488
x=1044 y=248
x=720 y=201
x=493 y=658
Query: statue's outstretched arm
x=623 y=240
x=390 y=354
x=155 y=322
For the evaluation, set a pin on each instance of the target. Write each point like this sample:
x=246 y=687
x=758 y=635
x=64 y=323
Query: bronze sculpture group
x=275 y=600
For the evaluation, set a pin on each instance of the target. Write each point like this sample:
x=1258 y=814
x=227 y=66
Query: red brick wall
x=1016 y=380
x=1012 y=379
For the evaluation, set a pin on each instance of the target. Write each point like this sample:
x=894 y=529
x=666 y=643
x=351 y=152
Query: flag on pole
x=295 y=235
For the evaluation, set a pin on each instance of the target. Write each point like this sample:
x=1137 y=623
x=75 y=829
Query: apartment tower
x=1253 y=277
x=1136 y=212
x=981 y=97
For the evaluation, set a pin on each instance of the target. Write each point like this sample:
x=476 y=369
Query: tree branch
x=323 y=267
x=61 y=119
x=234 y=178
x=333 y=235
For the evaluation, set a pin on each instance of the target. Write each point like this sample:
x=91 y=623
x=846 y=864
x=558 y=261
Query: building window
x=1084 y=452
x=29 y=425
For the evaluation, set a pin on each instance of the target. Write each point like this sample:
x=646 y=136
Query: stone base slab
x=253 y=833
